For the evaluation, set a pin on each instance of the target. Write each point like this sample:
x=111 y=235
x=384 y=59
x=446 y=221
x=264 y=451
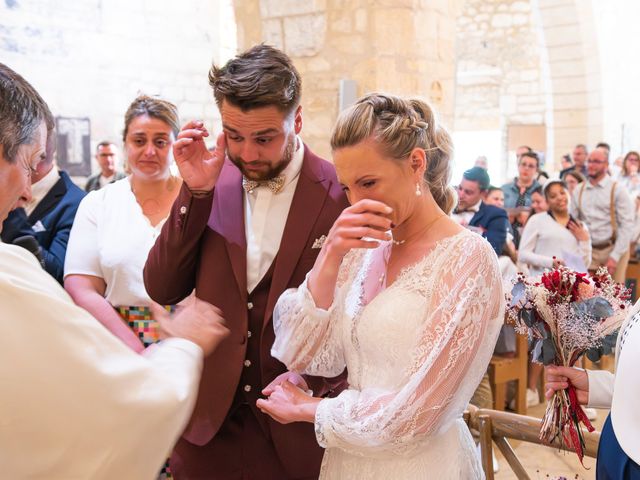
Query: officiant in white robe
x=76 y=402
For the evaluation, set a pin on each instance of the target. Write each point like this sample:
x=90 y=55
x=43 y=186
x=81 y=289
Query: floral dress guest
x=117 y=225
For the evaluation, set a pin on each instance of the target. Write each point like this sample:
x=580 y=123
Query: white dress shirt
x=111 y=239
x=41 y=188
x=543 y=238
x=594 y=209
x=265 y=216
x=463 y=218
x=76 y=402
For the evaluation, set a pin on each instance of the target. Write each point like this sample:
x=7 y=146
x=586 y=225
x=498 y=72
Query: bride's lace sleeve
x=307 y=339
x=464 y=312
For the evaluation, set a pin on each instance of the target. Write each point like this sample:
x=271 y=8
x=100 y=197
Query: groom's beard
x=267 y=170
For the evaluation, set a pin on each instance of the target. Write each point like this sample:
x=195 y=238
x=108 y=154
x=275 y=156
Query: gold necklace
x=422 y=230
x=383 y=275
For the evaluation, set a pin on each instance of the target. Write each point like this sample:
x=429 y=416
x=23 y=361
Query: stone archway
x=522 y=62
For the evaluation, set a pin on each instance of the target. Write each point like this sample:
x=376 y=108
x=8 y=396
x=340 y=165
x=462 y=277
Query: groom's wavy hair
x=398 y=126
x=260 y=77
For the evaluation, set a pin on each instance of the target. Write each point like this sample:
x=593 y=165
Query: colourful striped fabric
x=141 y=322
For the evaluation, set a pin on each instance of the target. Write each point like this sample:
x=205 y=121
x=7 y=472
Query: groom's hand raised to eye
x=199 y=168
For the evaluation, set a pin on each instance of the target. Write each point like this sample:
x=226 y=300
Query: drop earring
x=418 y=190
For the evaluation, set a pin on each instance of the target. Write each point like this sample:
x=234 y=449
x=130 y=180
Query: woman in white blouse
x=619 y=448
x=115 y=227
x=554 y=237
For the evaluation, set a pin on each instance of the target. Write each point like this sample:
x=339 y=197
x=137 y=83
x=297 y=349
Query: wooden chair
x=503 y=370
x=497 y=427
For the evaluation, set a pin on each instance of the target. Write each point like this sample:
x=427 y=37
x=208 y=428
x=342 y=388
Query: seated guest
x=518 y=192
x=47 y=215
x=107 y=157
x=495 y=197
x=572 y=179
x=76 y=403
x=116 y=227
x=489 y=221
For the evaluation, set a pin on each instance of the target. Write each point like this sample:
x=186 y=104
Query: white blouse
x=111 y=239
x=543 y=238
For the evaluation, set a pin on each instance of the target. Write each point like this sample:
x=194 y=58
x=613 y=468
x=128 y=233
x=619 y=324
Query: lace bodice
x=415 y=353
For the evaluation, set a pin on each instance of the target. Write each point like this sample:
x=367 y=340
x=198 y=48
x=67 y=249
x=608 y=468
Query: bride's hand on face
x=288 y=403
x=358 y=226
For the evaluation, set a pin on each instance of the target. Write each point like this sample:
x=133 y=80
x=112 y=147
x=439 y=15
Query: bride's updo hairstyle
x=398 y=126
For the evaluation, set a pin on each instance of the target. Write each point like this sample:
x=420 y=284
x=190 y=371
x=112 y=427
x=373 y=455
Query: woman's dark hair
x=548 y=185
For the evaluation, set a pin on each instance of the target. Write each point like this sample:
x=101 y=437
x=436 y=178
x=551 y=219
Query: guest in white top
x=553 y=238
x=116 y=226
x=619 y=448
x=550 y=239
x=75 y=402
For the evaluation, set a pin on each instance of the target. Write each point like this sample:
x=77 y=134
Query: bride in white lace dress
x=414 y=318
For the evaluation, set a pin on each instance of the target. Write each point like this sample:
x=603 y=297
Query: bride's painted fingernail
x=393 y=225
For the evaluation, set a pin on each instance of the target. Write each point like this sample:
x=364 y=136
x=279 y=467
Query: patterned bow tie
x=273 y=184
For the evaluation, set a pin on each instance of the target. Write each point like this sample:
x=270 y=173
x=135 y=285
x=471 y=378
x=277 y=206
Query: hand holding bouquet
x=567 y=314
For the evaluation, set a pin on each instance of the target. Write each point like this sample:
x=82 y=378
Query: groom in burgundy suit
x=246 y=226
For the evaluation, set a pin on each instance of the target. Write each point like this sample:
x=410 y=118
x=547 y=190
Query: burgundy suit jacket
x=202 y=245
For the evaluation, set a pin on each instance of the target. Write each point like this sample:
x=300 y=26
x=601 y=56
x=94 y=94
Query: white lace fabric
x=415 y=354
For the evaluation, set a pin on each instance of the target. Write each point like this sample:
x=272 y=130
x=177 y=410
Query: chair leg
x=521 y=397
x=541 y=389
x=500 y=397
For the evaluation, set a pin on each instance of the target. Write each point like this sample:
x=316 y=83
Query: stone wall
x=499 y=69
x=91 y=58
x=404 y=47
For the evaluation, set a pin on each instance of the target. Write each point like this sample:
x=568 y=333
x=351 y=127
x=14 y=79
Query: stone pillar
x=574 y=66
x=404 y=47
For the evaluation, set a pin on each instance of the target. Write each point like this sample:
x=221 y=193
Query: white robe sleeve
x=75 y=401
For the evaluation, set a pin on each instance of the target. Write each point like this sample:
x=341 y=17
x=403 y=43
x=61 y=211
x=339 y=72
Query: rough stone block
x=272 y=32
x=304 y=35
x=284 y=8
x=501 y=20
